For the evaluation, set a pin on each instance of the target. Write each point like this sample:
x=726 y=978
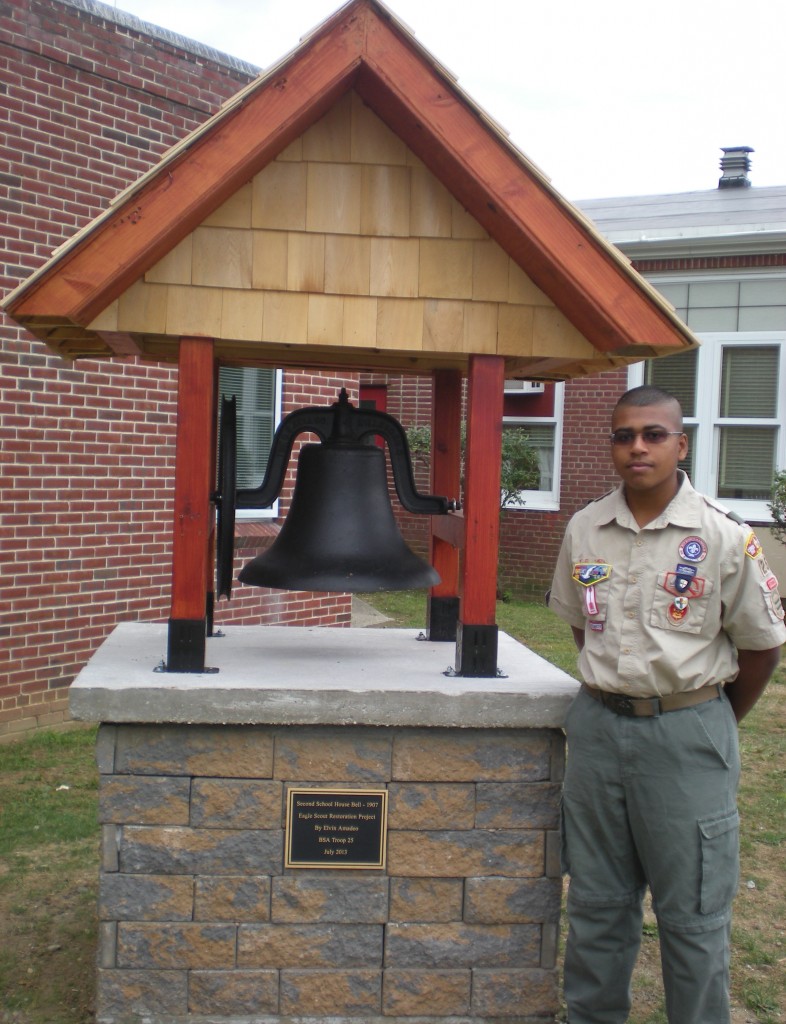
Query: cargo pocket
x=720 y=839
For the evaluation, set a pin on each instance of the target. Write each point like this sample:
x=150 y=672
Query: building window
x=258 y=394
x=539 y=415
x=733 y=394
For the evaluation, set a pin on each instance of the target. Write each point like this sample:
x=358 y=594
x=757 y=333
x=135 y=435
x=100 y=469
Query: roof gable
x=591 y=290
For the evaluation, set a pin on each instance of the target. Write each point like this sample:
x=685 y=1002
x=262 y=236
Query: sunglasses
x=653 y=435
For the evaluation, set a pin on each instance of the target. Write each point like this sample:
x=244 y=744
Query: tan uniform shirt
x=665 y=607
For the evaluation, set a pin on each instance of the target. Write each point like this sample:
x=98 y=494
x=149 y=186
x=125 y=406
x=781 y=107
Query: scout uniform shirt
x=665 y=606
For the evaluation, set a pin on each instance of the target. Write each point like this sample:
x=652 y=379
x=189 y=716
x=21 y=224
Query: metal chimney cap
x=735 y=165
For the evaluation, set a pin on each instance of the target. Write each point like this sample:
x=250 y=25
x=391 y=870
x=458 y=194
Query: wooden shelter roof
x=584 y=309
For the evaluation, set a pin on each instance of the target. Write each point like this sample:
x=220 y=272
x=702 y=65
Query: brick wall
x=530 y=540
x=199 y=916
x=90 y=100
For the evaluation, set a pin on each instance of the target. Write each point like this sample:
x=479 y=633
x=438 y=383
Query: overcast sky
x=609 y=98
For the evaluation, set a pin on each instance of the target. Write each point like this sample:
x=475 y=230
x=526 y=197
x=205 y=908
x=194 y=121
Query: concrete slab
x=317 y=676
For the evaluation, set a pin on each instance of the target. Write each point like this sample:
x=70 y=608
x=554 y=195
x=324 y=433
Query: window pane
x=688 y=462
x=541 y=438
x=677 y=375
x=749 y=381
x=746 y=462
x=255 y=391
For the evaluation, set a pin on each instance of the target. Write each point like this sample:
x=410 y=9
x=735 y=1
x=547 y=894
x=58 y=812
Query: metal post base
x=442 y=615
x=186 y=645
x=476 y=650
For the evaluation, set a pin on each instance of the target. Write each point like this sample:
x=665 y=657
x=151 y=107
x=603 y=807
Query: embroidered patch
x=684 y=574
x=596 y=627
x=752 y=546
x=777 y=605
x=590 y=573
x=695 y=587
x=678 y=610
x=771 y=583
x=693 y=549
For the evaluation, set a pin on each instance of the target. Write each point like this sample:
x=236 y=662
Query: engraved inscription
x=336 y=828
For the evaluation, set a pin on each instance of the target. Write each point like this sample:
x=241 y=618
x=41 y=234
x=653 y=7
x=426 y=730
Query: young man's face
x=646 y=466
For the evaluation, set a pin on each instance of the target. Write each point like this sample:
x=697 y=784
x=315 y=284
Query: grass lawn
x=49 y=856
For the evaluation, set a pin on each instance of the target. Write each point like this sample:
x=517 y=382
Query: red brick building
x=91 y=98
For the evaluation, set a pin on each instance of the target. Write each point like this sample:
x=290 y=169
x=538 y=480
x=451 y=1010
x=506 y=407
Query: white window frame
x=543 y=501
x=273 y=511
x=707 y=422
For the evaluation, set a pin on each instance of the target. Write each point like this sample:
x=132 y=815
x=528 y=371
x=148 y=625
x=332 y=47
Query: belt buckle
x=623 y=705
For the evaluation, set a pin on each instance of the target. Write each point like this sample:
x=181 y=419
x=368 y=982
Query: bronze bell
x=340 y=533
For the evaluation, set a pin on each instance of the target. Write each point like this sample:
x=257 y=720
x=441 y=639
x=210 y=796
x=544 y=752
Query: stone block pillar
x=200 y=919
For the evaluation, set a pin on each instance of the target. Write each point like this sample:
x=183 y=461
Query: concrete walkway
x=364 y=615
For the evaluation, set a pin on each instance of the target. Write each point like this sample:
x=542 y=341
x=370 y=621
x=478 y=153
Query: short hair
x=648 y=394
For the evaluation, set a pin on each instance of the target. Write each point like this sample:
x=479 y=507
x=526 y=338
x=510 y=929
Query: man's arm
x=756 y=668
x=578 y=636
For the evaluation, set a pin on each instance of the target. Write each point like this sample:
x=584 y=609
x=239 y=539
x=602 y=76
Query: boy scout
x=679 y=625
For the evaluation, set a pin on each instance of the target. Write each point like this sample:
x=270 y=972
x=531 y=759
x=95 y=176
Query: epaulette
x=600 y=497
x=725 y=511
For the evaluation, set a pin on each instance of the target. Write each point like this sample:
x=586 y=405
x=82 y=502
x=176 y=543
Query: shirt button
x=632 y=579
x=631 y=615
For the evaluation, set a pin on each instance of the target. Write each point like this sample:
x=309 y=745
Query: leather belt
x=649 y=707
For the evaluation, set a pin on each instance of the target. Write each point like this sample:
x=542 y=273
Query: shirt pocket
x=663 y=615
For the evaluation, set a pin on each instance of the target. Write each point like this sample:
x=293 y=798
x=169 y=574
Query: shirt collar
x=684 y=509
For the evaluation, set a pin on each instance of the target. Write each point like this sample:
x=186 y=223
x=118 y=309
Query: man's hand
x=756 y=668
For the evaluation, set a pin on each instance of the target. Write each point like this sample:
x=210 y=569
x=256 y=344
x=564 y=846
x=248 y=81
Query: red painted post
x=476 y=647
x=194 y=461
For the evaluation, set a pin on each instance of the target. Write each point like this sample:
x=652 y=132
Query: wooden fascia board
x=149 y=222
x=554 y=246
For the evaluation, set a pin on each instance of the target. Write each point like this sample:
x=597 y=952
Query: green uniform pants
x=650 y=802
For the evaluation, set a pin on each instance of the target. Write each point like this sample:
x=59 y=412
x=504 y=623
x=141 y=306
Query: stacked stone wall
x=199 y=915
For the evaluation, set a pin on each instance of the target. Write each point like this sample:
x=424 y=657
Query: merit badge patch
x=590 y=573
x=683 y=576
x=678 y=610
x=752 y=546
x=693 y=549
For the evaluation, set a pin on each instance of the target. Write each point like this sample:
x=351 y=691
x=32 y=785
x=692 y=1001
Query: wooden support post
x=194 y=460
x=443 y=602
x=476 y=642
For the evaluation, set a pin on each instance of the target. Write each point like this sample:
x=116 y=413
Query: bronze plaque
x=341 y=828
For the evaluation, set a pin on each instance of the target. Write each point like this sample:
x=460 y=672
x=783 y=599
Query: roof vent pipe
x=735 y=165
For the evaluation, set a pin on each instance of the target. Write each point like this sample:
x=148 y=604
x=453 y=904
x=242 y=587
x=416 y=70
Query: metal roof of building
x=744 y=219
